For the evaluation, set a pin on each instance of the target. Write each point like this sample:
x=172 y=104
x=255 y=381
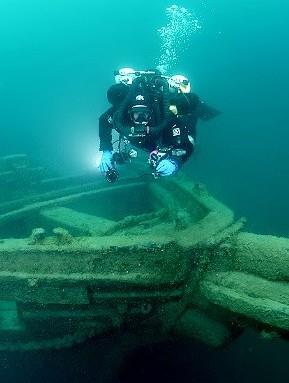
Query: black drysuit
x=191 y=108
x=178 y=133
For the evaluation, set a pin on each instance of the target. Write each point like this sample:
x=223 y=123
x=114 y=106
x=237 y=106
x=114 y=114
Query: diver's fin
x=206 y=112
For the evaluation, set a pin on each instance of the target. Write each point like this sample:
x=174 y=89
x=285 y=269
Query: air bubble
x=176 y=35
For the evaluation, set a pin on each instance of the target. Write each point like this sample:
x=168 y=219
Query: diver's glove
x=167 y=167
x=106 y=162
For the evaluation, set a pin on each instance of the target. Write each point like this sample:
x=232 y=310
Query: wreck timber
x=81 y=258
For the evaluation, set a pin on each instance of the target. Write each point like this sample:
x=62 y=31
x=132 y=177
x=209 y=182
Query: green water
x=57 y=59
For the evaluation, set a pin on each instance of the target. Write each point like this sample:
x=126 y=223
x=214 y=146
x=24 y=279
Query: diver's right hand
x=106 y=162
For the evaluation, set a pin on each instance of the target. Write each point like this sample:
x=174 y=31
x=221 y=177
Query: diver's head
x=125 y=76
x=179 y=84
x=140 y=115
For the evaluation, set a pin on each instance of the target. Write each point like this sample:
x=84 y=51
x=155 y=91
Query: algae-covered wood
x=80 y=258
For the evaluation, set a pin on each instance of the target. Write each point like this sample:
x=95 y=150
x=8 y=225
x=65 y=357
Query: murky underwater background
x=56 y=62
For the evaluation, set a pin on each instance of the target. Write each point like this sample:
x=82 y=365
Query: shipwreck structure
x=159 y=258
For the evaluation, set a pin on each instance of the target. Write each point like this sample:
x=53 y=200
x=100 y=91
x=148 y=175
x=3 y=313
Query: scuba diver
x=152 y=112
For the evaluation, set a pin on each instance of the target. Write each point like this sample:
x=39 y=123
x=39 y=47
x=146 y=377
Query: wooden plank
x=76 y=222
x=250 y=296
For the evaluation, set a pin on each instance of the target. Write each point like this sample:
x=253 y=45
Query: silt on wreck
x=158 y=259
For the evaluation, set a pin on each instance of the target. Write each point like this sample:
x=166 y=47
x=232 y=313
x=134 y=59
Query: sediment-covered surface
x=162 y=259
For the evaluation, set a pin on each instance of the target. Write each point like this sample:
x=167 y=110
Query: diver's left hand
x=167 y=167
